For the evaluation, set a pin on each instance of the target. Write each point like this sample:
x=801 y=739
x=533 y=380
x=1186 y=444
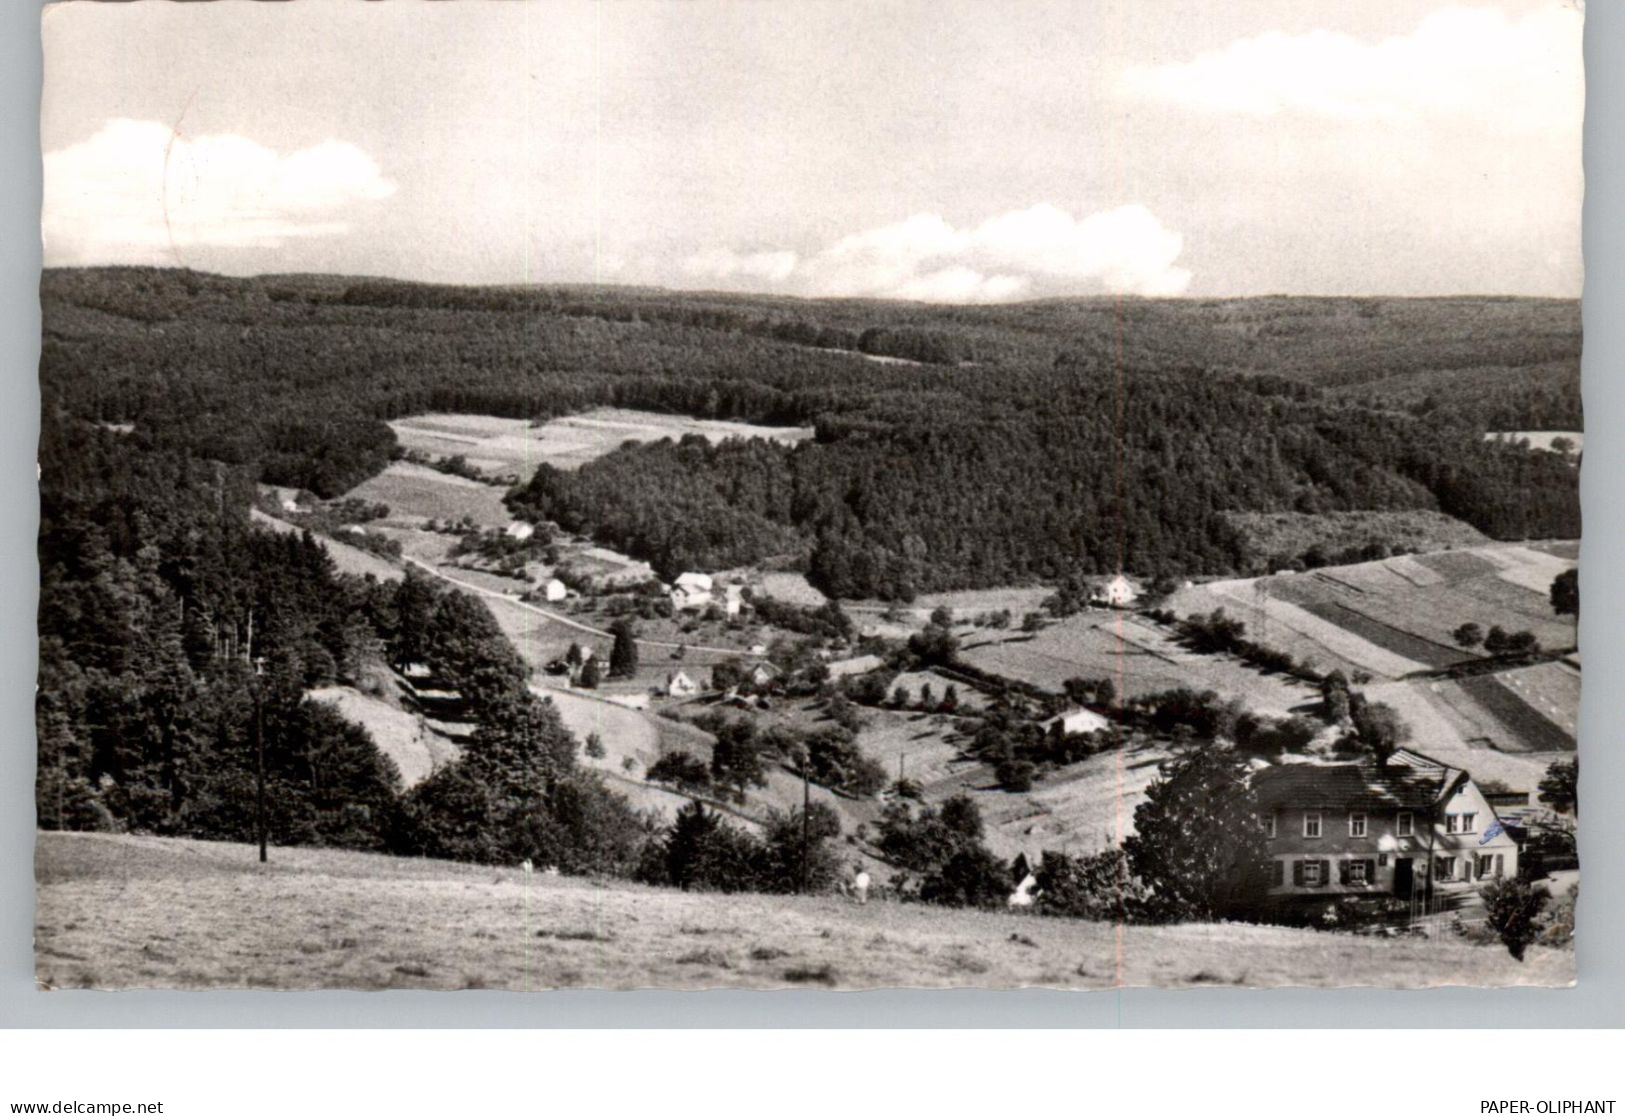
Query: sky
x=940 y=151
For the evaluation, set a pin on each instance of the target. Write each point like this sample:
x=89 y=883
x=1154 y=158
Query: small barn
x=1077 y=721
x=520 y=531
x=680 y=685
x=691 y=591
x=555 y=590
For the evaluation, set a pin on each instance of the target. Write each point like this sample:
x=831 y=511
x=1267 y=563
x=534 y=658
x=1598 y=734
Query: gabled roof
x=693 y=581
x=1086 y=716
x=1338 y=785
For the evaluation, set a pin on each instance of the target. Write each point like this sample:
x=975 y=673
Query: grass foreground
x=150 y=912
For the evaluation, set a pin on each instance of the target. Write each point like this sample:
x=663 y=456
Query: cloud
x=1525 y=73
x=724 y=264
x=1039 y=250
x=138 y=192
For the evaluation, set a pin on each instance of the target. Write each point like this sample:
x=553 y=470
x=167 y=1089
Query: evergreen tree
x=1198 y=842
x=623 y=657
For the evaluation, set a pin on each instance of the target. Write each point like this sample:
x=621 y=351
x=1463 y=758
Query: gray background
x=1599 y=1000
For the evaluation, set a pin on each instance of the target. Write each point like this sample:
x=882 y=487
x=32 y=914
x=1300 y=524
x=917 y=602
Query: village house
x=763 y=674
x=733 y=599
x=1404 y=828
x=520 y=531
x=690 y=592
x=1119 y=592
x=680 y=685
x=1076 y=720
x=555 y=590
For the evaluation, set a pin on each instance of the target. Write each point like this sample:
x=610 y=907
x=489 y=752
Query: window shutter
x=1325 y=872
x=1371 y=871
x=1297 y=873
x=1279 y=872
x=1500 y=863
x=1343 y=872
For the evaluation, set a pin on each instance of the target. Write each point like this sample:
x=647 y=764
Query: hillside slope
x=128 y=912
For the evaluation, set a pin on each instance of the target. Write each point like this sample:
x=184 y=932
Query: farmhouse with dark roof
x=1380 y=829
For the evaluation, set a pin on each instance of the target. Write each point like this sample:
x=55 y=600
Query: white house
x=520 y=530
x=680 y=685
x=1077 y=720
x=555 y=590
x=1119 y=592
x=732 y=600
x=691 y=591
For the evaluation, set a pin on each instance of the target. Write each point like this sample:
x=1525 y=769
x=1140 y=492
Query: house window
x=1468 y=823
x=1311 y=873
x=1452 y=823
x=1280 y=872
x=1357 y=873
x=1447 y=867
x=1311 y=823
x=1405 y=826
x=1356 y=825
x=1269 y=826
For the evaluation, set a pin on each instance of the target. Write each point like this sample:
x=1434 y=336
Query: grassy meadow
x=138 y=912
x=501 y=445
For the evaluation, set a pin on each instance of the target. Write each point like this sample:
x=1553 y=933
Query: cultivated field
x=1138 y=655
x=1396 y=616
x=133 y=912
x=1289 y=534
x=1541 y=439
x=416 y=492
x=1447 y=724
x=502 y=446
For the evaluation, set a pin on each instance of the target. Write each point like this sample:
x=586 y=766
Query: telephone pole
x=806 y=801
x=259 y=762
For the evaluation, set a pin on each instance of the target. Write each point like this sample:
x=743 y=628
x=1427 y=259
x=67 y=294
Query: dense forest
x=993 y=444
x=175 y=637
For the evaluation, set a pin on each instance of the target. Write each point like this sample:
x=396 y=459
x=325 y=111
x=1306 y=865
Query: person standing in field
x=860 y=887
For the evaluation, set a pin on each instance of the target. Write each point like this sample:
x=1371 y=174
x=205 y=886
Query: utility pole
x=806 y=801
x=259 y=761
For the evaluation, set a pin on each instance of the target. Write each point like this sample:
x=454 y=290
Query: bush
x=971 y=877
x=1557 y=921
x=679 y=769
x=1015 y=775
x=701 y=852
x=1099 y=887
x=1512 y=907
x=835 y=760
x=781 y=866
